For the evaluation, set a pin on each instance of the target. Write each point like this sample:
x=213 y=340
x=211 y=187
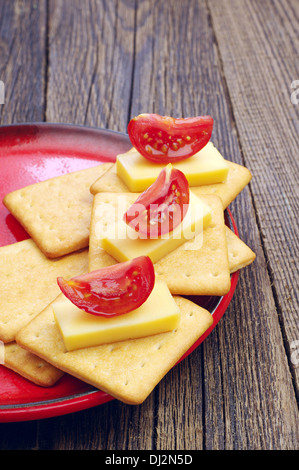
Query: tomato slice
x=163 y=139
x=113 y=290
x=161 y=207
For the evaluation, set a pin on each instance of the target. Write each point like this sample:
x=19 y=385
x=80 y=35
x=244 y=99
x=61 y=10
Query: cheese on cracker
x=205 y=167
x=123 y=243
x=158 y=314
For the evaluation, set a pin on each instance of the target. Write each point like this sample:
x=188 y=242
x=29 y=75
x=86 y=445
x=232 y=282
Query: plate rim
x=53 y=124
x=59 y=406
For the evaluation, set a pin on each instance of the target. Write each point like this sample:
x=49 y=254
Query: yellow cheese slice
x=122 y=243
x=158 y=314
x=205 y=167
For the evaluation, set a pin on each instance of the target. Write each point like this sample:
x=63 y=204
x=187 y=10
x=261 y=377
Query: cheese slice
x=122 y=242
x=205 y=167
x=79 y=329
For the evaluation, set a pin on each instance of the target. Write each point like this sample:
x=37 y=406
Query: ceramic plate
x=35 y=152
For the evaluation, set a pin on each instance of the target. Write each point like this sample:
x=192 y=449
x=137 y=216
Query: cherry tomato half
x=113 y=290
x=164 y=139
x=161 y=207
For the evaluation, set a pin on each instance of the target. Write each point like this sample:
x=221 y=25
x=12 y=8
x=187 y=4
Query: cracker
x=198 y=267
x=56 y=212
x=112 y=183
x=239 y=254
x=28 y=283
x=30 y=366
x=238 y=177
x=127 y=370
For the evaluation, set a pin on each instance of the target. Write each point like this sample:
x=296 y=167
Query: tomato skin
x=161 y=207
x=114 y=290
x=163 y=139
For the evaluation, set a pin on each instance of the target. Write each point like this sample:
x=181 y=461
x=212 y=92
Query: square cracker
x=127 y=370
x=239 y=254
x=198 y=267
x=30 y=366
x=238 y=177
x=28 y=283
x=56 y=212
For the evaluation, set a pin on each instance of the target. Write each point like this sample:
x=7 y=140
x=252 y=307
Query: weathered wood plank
x=90 y=62
x=112 y=426
x=22 y=70
x=253 y=43
x=22 y=60
x=178 y=72
x=169 y=47
x=105 y=64
x=260 y=58
x=259 y=406
x=90 y=66
x=172 y=39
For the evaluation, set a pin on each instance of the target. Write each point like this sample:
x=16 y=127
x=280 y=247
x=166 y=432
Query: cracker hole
x=142 y=365
x=215 y=274
x=41 y=365
x=191 y=314
x=126 y=382
x=187 y=275
x=159 y=346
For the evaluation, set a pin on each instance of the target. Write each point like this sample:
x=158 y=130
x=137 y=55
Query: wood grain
x=90 y=62
x=90 y=66
x=258 y=73
x=267 y=63
x=156 y=70
x=23 y=60
x=99 y=63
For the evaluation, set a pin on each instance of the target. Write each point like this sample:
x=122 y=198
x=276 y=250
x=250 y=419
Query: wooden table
x=99 y=63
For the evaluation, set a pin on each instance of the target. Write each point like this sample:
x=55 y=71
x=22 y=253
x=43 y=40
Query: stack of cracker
x=61 y=218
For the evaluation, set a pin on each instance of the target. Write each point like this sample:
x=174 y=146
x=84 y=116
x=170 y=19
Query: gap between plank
x=133 y=64
x=46 y=75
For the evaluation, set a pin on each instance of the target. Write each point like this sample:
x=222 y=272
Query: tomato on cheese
x=161 y=207
x=113 y=290
x=164 y=139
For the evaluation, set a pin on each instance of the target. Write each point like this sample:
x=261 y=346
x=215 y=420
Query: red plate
x=35 y=152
